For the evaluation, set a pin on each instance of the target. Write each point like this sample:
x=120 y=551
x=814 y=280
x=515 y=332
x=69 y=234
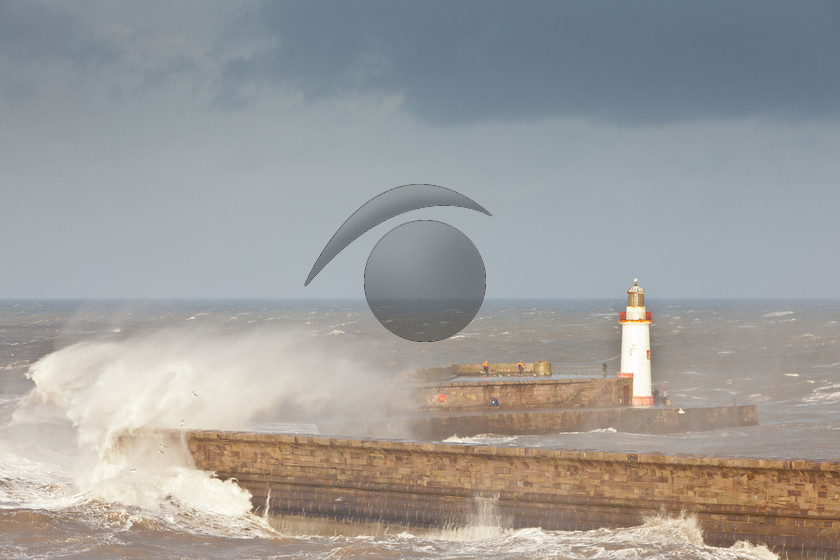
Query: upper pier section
x=487 y=394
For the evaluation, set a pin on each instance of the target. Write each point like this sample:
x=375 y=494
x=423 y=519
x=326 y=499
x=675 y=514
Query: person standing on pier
x=486 y=368
x=521 y=368
x=604 y=368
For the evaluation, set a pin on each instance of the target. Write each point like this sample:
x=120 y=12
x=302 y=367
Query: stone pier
x=793 y=507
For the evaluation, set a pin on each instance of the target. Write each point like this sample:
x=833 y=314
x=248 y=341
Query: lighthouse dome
x=636 y=295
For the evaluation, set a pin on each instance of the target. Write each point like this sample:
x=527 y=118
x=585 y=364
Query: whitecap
x=827 y=366
x=777 y=314
x=480 y=439
x=757 y=551
x=827 y=394
x=609 y=430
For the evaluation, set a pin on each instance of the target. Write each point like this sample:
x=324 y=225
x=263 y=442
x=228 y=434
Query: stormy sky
x=211 y=149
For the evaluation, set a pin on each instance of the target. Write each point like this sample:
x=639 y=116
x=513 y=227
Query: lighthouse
x=635 y=344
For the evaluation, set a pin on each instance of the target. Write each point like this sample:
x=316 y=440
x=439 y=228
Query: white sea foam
x=752 y=551
x=464 y=335
x=484 y=522
x=609 y=430
x=100 y=391
x=827 y=394
x=662 y=536
x=481 y=439
x=827 y=366
x=27 y=483
x=778 y=314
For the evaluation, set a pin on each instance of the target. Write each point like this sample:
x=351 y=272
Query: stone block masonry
x=519 y=394
x=540 y=368
x=539 y=422
x=791 y=506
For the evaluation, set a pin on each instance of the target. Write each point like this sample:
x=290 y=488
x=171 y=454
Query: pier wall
x=791 y=506
x=639 y=420
x=519 y=394
x=540 y=368
x=649 y=420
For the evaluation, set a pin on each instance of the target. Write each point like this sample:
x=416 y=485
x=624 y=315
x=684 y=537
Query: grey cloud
x=624 y=62
x=36 y=33
x=36 y=39
x=86 y=49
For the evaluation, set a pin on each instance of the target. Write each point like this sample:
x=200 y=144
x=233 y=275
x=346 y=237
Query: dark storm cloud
x=36 y=38
x=34 y=33
x=632 y=62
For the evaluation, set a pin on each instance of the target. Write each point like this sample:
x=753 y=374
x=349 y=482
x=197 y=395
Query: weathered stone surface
x=516 y=393
x=465 y=423
x=622 y=419
x=791 y=506
x=540 y=368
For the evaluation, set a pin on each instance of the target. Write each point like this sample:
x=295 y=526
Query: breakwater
x=540 y=422
x=539 y=368
x=791 y=506
x=465 y=423
x=519 y=393
x=514 y=406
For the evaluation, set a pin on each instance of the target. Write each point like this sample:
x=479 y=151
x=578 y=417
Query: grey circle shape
x=425 y=281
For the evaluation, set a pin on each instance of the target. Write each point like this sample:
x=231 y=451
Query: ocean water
x=75 y=375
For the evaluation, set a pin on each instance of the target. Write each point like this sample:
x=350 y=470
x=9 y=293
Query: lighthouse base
x=642 y=401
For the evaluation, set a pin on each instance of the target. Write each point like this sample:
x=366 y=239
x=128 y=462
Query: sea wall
x=519 y=394
x=540 y=368
x=641 y=420
x=648 y=420
x=791 y=506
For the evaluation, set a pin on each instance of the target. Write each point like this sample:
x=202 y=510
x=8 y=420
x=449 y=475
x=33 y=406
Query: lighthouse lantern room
x=635 y=344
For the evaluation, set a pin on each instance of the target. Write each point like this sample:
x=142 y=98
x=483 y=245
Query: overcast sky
x=211 y=149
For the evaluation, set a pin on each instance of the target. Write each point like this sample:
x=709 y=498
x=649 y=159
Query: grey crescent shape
x=385 y=206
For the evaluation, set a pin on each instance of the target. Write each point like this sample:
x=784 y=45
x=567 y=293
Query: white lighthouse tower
x=635 y=344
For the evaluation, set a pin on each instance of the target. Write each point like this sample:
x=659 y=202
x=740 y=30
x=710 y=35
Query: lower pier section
x=793 y=507
x=623 y=419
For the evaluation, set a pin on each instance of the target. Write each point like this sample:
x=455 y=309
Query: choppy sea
x=74 y=375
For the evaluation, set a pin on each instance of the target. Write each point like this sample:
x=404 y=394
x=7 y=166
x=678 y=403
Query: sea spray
x=54 y=522
x=180 y=379
x=660 y=537
x=484 y=521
